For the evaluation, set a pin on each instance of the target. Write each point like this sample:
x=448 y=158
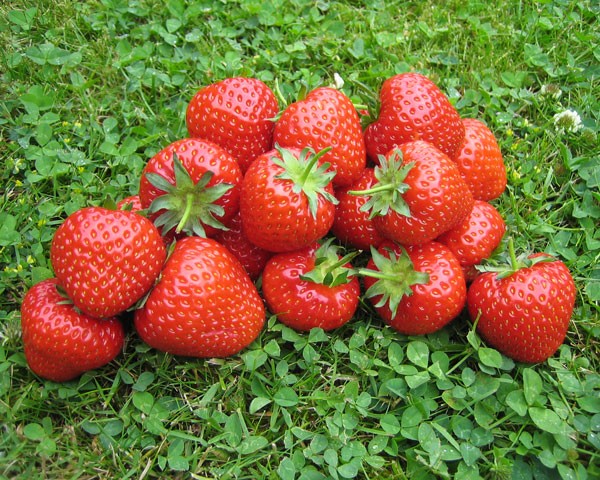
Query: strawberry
x=413 y=108
x=480 y=161
x=287 y=199
x=524 y=311
x=311 y=287
x=477 y=236
x=61 y=343
x=191 y=186
x=416 y=289
x=131 y=203
x=237 y=114
x=205 y=304
x=106 y=260
x=249 y=255
x=325 y=118
x=419 y=194
x=352 y=225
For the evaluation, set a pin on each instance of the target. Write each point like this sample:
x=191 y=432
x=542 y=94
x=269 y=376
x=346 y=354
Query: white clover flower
x=338 y=81
x=568 y=121
x=551 y=90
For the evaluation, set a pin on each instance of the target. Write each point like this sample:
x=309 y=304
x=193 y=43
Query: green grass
x=90 y=90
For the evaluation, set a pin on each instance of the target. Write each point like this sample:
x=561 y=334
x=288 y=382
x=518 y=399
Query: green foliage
x=90 y=90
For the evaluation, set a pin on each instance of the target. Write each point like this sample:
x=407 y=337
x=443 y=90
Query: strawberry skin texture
x=274 y=217
x=326 y=118
x=302 y=304
x=438 y=197
x=351 y=225
x=106 y=260
x=61 y=343
x=433 y=305
x=480 y=161
x=205 y=304
x=525 y=315
x=235 y=113
x=413 y=108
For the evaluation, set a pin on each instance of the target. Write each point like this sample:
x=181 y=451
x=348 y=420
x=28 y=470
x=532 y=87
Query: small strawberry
x=287 y=199
x=413 y=108
x=131 y=203
x=237 y=114
x=419 y=194
x=191 y=186
x=325 y=118
x=252 y=258
x=416 y=289
x=352 y=225
x=204 y=305
x=106 y=260
x=477 y=236
x=524 y=311
x=61 y=343
x=312 y=287
x=480 y=161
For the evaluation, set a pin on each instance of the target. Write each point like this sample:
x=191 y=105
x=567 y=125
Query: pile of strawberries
x=265 y=210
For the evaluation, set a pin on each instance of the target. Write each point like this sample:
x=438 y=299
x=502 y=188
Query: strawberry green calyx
x=187 y=206
x=307 y=175
x=395 y=276
x=387 y=193
x=330 y=269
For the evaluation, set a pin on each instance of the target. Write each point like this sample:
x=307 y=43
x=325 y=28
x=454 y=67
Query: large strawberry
x=413 y=108
x=205 y=304
x=419 y=194
x=525 y=311
x=416 y=289
x=61 y=343
x=191 y=186
x=312 y=287
x=237 y=114
x=106 y=260
x=287 y=199
x=480 y=161
x=325 y=118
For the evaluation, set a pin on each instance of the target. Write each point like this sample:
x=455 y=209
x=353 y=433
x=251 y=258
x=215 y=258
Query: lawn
x=91 y=90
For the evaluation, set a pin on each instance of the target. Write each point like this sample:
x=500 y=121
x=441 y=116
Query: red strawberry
x=312 y=287
x=352 y=225
x=287 y=200
x=417 y=289
x=419 y=194
x=106 y=260
x=237 y=114
x=193 y=186
x=61 y=343
x=131 y=203
x=480 y=161
x=249 y=255
x=479 y=234
x=525 y=312
x=205 y=304
x=325 y=118
x=413 y=108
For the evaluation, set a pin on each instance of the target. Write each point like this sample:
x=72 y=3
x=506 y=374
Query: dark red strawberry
x=524 y=310
x=60 y=343
x=419 y=194
x=191 y=186
x=237 y=114
x=416 y=289
x=312 y=287
x=106 y=260
x=325 y=118
x=480 y=161
x=250 y=256
x=413 y=108
x=287 y=200
x=205 y=304
x=352 y=225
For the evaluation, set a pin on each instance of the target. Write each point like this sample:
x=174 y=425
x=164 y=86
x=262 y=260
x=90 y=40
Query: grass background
x=91 y=90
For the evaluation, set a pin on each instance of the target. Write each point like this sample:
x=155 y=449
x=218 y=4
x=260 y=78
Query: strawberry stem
x=189 y=203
